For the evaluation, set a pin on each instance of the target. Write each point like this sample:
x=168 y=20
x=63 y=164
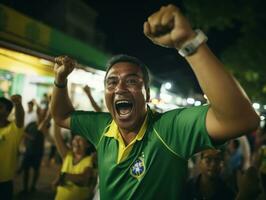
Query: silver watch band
x=191 y=46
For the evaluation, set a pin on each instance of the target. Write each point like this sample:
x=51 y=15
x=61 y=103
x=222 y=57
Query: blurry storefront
x=27 y=49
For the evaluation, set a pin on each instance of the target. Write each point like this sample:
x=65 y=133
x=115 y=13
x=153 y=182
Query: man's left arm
x=19 y=110
x=231 y=113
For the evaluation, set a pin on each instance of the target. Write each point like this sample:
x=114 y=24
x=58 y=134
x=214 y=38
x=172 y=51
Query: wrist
x=189 y=37
x=60 y=84
x=191 y=45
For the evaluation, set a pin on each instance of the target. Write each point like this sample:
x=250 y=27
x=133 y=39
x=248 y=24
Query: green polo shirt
x=154 y=164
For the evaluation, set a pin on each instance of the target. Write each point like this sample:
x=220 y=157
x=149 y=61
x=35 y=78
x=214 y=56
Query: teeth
x=122 y=101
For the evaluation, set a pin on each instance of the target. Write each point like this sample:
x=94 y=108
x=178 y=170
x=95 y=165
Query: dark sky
x=122 y=22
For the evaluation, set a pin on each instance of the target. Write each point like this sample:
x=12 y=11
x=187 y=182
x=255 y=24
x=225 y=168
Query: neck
x=78 y=157
x=129 y=135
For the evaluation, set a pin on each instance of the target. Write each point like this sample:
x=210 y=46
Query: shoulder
x=68 y=157
x=87 y=161
x=14 y=127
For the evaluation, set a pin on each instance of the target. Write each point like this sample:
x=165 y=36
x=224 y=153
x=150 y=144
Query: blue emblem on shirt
x=137 y=169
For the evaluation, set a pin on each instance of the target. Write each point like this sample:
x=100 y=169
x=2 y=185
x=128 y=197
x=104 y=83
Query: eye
x=132 y=81
x=111 y=82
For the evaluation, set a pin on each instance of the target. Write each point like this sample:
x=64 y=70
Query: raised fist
x=168 y=27
x=87 y=89
x=16 y=99
x=63 y=67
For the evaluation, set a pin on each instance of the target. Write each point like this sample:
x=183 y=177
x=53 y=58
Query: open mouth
x=123 y=107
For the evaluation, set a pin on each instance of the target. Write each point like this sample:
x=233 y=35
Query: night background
x=33 y=32
x=236 y=31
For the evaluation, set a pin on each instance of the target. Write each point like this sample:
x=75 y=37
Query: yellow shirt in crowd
x=10 y=137
x=70 y=191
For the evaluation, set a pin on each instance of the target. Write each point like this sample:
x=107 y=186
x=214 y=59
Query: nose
x=121 y=87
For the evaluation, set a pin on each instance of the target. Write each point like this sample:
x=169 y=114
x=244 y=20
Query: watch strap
x=191 y=46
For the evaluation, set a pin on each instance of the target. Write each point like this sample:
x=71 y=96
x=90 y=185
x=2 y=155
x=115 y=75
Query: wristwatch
x=191 y=46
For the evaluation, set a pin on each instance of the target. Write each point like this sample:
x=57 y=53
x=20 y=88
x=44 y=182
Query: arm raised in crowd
x=96 y=107
x=61 y=106
x=19 y=110
x=231 y=113
x=45 y=122
x=59 y=142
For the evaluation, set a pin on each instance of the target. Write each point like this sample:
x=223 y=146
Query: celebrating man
x=142 y=154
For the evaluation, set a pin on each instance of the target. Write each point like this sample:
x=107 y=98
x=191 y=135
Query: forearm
x=78 y=179
x=44 y=123
x=59 y=142
x=228 y=100
x=61 y=106
x=93 y=102
x=19 y=115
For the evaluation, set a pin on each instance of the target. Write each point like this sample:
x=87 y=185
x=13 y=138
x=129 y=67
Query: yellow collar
x=123 y=150
x=114 y=131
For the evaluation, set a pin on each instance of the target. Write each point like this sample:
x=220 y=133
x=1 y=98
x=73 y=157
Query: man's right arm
x=61 y=106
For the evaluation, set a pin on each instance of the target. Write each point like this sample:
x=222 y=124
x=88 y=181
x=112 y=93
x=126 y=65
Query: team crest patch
x=138 y=168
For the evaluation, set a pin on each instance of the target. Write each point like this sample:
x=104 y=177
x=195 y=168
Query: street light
x=256 y=106
x=168 y=85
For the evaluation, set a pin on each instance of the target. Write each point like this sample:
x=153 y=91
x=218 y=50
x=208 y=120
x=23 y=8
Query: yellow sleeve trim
x=172 y=151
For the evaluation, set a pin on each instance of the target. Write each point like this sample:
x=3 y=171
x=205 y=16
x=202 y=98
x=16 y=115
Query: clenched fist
x=63 y=67
x=168 y=27
x=16 y=99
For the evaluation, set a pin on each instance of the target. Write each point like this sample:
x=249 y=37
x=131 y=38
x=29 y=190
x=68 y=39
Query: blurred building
x=28 y=46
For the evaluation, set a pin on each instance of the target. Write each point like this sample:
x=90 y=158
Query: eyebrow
x=128 y=75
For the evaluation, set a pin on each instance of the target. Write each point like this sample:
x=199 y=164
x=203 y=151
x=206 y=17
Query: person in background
x=249 y=185
x=31 y=115
x=34 y=149
x=95 y=106
x=133 y=143
x=260 y=158
x=77 y=178
x=209 y=183
x=246 y=152
x=11 y=133
x=235 y=160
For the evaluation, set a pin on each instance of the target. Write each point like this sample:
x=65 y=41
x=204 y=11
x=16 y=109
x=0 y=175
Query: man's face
x=125 y=95
x=79 y=145
x=211 y=163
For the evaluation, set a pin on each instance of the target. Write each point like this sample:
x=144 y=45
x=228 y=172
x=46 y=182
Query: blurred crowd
x=221 y=173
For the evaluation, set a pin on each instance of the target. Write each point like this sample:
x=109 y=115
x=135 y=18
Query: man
x=209 y=184
x=141 y=154
x=34 y=150
x=10 y=136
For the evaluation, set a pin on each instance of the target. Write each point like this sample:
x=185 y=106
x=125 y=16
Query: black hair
x=126 y=58
x=220 y=151
x=8 y=104
x=30 y=102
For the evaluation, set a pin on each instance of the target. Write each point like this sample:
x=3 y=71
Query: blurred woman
x=77 y=178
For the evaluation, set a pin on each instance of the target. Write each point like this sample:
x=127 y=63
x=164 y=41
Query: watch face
x=191 y=46
x=187 y=50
